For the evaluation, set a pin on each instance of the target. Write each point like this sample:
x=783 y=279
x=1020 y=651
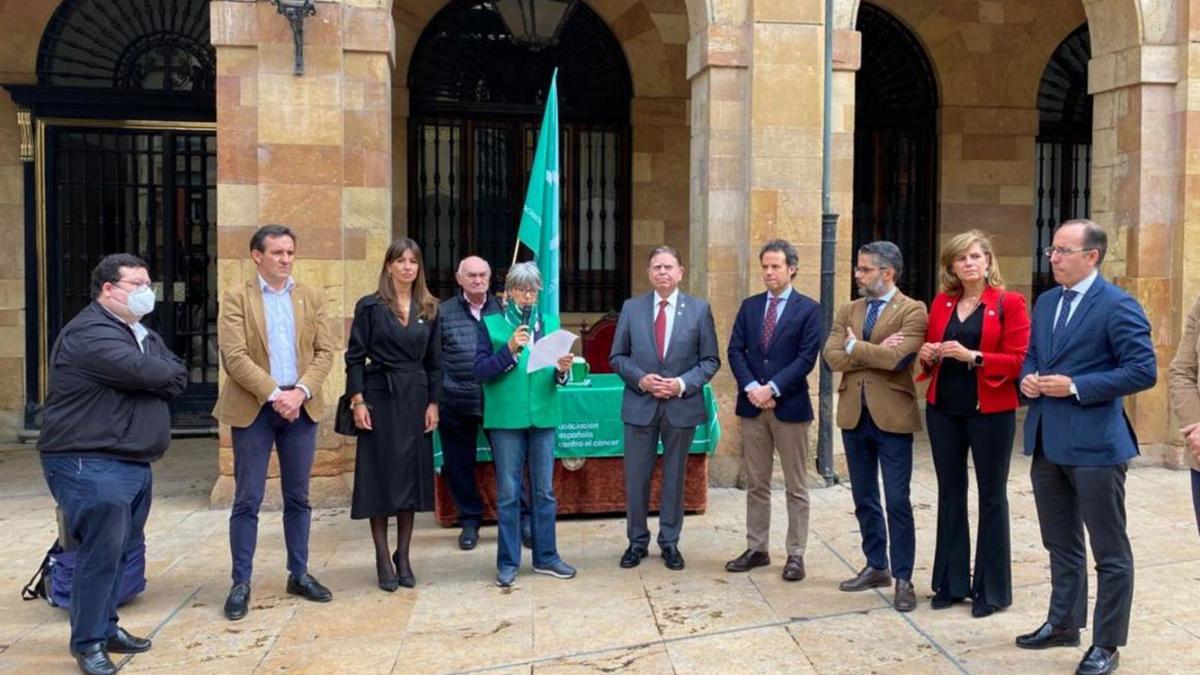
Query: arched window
x=152 y=45
x=895 y=147
x=477 y=102
x=1064 y=147
x=127 y=162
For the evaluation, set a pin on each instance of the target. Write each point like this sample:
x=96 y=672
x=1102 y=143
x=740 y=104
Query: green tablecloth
x=592 y=424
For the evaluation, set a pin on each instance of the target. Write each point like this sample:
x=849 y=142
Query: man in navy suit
x=1089 y=349
x=775 y=342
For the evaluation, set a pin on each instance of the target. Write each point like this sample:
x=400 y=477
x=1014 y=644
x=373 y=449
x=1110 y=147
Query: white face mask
x=140 y=302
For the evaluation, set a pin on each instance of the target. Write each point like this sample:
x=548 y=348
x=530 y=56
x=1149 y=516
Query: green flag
x=540 y=217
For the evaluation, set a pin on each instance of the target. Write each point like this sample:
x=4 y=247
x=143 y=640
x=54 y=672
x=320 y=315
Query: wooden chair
x=597 y=342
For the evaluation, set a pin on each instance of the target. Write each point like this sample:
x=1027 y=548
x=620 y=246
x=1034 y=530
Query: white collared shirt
x=1081 y=288
x=139 y=331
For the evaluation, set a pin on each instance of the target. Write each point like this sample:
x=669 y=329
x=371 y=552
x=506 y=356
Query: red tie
x=660 y=329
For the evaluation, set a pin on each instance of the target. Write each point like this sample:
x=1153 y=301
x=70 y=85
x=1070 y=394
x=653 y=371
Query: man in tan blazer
x=873 y=342
x=1185 y=396
x=276 y=348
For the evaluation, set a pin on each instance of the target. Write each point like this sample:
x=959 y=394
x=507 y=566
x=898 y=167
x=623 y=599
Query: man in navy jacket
x=775 y=342
x=1089 y=349
x=106 y=418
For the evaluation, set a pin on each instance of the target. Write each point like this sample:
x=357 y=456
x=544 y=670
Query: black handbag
x=343 y=419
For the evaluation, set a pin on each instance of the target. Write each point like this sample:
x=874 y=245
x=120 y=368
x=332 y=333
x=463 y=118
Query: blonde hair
x=958 y=246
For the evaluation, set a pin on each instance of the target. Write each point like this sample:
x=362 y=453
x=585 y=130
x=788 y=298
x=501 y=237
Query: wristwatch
x=978 y=358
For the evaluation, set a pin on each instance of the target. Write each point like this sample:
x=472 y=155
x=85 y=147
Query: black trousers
x=1070 y=498
x=989 y=439
x=458 y=434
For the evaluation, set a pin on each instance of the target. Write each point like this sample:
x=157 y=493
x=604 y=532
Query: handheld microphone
x=525 y=316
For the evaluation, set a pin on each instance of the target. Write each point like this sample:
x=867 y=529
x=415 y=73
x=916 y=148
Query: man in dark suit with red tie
x=775 y=342
x=665 y=350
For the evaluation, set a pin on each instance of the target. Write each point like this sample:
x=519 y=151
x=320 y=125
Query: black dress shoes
x=94 y=660
x=1099 y=661
x=405 y=580
x=981 y=609
x=868 y=577
x=238 y=602
x=748 y=560
x=793 y=570
x=905 y=599
x=386 y=575
x=943 y=601
x=124 y=643
x=632 y=557
x=308 y=588
x=1047 y=636
x=469 y=537
x=672 y=558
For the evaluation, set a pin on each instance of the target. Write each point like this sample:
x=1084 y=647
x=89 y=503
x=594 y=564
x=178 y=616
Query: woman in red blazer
x=974 y=347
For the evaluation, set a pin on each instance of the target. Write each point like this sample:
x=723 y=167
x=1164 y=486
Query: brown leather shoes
x=867 y=578
x=794 y=569
x=906 y=597
x=748 y=560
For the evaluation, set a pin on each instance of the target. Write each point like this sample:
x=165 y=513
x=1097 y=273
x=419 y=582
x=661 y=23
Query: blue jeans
x=511 y=451
x=295 y=443
x=869 y=452
x=105 y=503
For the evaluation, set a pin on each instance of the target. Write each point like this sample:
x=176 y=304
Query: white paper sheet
x=549 y=349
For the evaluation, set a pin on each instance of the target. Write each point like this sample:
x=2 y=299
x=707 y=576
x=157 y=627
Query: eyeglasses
x=137 y=285
x=525 y=291
x=1051 y=250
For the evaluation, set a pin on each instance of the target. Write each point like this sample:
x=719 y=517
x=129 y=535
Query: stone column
x=785 y=170
x=1137 y=162
x=718 y=60
x=312 y=152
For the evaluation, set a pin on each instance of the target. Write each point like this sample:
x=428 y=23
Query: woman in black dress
x=394 y=379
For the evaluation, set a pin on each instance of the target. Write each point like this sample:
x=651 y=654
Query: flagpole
x=516 y=249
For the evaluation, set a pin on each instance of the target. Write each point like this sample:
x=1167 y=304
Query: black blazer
x=787 y=360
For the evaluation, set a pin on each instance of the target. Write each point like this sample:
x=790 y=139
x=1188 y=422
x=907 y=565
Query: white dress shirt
x=672 y=306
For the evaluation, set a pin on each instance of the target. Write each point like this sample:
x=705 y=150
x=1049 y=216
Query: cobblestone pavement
x=648 y=619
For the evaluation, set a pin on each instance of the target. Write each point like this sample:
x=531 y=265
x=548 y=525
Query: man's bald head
x=474 y=276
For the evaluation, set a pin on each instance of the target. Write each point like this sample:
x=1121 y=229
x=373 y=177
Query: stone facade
x=311 y=152
x=726 y=136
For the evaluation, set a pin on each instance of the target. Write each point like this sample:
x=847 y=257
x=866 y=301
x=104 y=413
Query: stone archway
x=655 y=39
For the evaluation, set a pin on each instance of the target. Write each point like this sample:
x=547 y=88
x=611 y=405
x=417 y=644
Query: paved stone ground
x=647 y=620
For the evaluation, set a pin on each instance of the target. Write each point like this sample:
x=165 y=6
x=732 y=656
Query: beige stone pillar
x=1137 y=167
x=312 y=152
x=718 y=59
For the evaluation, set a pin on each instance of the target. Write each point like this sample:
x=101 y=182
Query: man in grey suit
x=665 y=350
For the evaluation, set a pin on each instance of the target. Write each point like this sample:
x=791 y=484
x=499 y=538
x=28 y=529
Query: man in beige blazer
x=873 y=342
x=276 y=348
x=1185 y=396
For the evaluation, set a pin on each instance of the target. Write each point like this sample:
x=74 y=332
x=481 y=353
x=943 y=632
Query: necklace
x=969 y=303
